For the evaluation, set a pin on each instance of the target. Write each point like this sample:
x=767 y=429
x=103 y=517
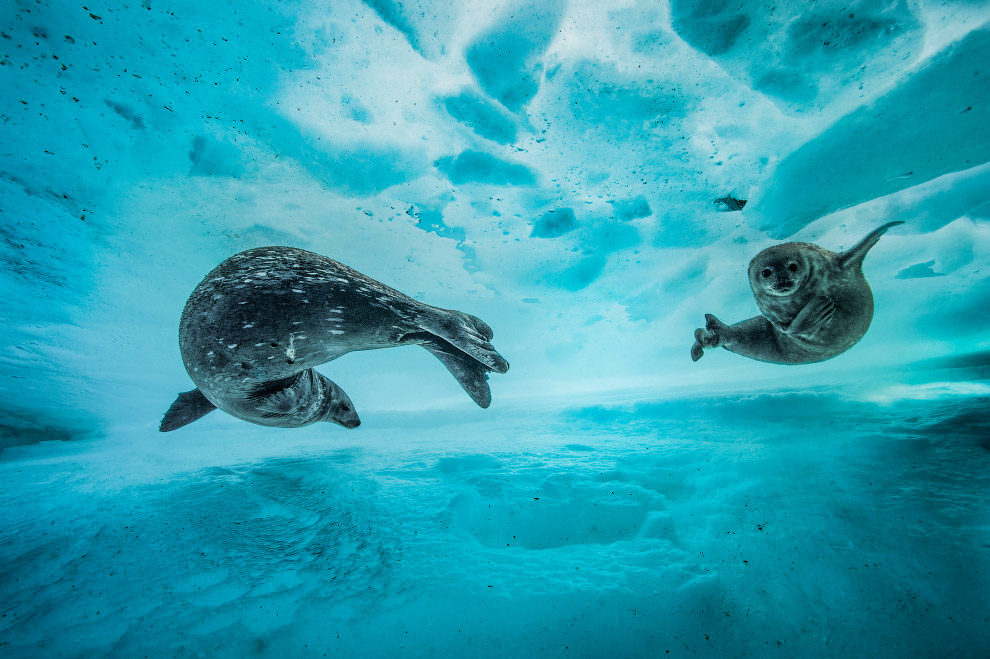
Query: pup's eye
x=346 y=408
x=766 y=272
x=792 y=267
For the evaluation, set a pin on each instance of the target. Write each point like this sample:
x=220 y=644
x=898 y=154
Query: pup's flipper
x=814 y=316
x=854 y=256
x=188 y=407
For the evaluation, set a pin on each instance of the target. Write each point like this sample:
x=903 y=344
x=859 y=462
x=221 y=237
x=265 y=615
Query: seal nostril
x=274 y=345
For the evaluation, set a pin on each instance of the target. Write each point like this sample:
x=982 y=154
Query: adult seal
x=816 y=304
x=254 y=329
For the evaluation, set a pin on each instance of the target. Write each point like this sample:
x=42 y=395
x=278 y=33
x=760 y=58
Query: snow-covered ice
x=796 y=523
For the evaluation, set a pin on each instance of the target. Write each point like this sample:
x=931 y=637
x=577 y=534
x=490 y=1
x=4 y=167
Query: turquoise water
x=590 y=181
x=796 y=524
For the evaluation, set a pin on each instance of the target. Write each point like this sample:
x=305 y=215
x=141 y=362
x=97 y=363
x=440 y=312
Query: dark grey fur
x=816 y=304
x=257 y=325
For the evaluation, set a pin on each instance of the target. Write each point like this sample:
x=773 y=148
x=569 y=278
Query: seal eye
x=792 y=267
x=766 y=272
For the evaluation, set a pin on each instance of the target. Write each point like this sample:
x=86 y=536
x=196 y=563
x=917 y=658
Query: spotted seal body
x=815 y=304
x=254 y=329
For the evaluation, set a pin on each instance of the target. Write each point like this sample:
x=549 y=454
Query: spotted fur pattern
x=256 y=326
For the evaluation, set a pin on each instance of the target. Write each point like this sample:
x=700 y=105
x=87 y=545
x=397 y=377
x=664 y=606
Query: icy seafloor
x=776 y=524
x=575 y=175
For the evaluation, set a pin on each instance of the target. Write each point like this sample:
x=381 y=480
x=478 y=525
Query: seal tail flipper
x=470 y=373
x=467 y=334
x=188 y=407
x=854 y=256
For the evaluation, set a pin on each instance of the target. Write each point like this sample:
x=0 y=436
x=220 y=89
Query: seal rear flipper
x=471 y=374
x=188 y=407
x=855 y=255
x=466 y=334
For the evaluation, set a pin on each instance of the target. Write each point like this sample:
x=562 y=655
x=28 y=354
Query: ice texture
x=774 y=523
x=922 y=129
x=590 y=179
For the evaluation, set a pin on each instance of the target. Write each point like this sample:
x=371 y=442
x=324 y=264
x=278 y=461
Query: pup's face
x=779 y=271
x=339 y=408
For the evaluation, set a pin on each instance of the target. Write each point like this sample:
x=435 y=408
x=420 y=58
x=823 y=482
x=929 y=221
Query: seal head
x=781 y=270
x=785 y=277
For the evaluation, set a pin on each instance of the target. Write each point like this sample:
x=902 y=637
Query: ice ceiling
x=572 y=172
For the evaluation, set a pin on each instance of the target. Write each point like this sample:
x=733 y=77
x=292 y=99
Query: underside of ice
x=590 y=179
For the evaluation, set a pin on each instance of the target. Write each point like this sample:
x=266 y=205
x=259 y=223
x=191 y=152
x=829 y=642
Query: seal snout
x=343 y=413
x=783 y=284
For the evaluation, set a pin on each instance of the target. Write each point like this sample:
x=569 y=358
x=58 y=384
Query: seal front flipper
x=814 y=316
x=854 y=257
x=709 y=337
x=188 y=407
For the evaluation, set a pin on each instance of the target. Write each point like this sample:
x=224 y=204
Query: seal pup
x=816 y=304
x=254 y=329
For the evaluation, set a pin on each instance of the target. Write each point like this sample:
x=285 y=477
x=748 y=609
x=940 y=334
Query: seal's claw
x=706 y=338
x=713 y=324
x=697 y=351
